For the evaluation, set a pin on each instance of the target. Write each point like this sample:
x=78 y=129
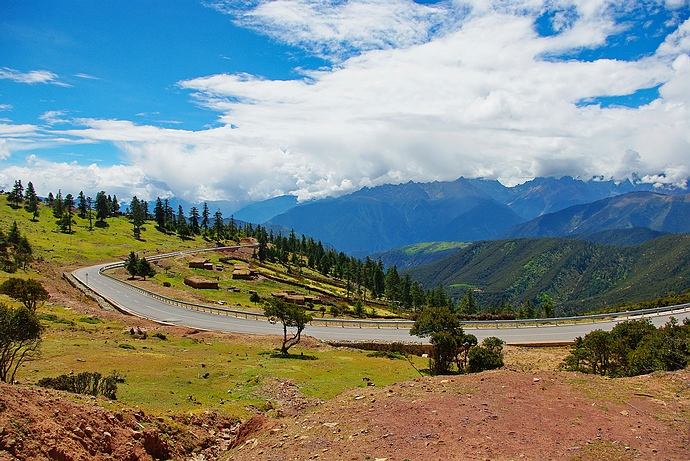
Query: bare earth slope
x=495 y=415
x=41 y=424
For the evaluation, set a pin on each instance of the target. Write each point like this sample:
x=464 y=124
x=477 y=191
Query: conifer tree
x=159 y=213
x=137 y=216
x=218 y=227
x=67 y=213
x=102 y=207
x=205 y=216
x=58 y=205
x=81 y=205
x=16 y=196
x=194 y=226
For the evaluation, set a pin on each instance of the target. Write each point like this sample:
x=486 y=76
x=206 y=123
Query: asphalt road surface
x=141 y=305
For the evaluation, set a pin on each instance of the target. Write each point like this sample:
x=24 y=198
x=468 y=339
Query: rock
x=625 y=413
x=536 y=380
x=330 y=425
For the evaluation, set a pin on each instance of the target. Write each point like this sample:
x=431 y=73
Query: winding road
x=132 y=301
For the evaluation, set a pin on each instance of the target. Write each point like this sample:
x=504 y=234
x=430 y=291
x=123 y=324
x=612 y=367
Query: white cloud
x=86 y=76
x=336 y=28
x=6 y=107
x=54 y=117
x=31 y=77
x=470 y=94
x=48 y=176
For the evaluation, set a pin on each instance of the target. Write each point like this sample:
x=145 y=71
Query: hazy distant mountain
x=663 y=213
x=375 y=219
x=260 y=212
x=547 y=195
x=390 y=216
x=580 y=275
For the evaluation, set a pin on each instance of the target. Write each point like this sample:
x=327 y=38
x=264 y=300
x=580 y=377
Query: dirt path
x=494 y=415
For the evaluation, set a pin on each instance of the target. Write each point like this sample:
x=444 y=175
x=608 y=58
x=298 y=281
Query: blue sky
x=240 y=101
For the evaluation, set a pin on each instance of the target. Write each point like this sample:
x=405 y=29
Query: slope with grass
x=579 y=275
x=418 y=254
x=86 y=246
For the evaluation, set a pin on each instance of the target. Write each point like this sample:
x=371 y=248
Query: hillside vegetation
x=84 y=246
x=578 y=275
x=418 y=254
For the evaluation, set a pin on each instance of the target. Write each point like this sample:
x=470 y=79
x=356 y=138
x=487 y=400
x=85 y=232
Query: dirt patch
x=38 y=424
x=286 y=397
x=502 y=414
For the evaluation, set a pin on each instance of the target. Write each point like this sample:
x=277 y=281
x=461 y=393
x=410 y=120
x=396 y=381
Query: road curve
x=139 y=304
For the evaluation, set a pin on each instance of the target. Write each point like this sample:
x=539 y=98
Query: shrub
x=159 y=335
x=632 y=348
x=483 y=358
x=85 y=383
x=28 y=292
x=167 y=284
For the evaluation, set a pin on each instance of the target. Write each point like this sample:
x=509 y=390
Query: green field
x=167 y=376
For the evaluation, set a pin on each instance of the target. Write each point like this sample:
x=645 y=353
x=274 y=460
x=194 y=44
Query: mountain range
x=384 y=217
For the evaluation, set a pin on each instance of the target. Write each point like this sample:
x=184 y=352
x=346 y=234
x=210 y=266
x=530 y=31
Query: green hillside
x=579 y=275
x=87 y=246
x=418 y=254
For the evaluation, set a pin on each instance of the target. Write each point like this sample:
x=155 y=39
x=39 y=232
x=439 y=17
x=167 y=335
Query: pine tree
x=159 y=214
x=115 y=206
x=137 y=216
x=89 y=206
x=102 y=207
x=50 y=199
x=67 y=212
x=16 y=196
x=132 y=264
x=58 y=205
x=182 y=227
x=218 y=227
x=468 y=306
x=81 y=205
x=145 y=269
x=194 y=221
x=32 y=201
x=205 y=216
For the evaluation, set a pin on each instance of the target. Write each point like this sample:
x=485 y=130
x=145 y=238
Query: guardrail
x=397 y=324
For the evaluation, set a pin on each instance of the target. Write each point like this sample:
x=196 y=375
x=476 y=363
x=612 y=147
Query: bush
x=167 y=284
x=159 y=335
x=483 y=358
x=632 y=348
x=85 y=383
x=28 y=292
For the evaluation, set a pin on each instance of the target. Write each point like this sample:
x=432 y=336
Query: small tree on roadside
x=20 y=337
x=145 y=269
x=291 y=316
x=446 y=336
x=132 y=264
x=29 y=292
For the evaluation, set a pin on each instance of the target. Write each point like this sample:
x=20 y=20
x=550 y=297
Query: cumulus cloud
x=418 y=93
x=30 y=77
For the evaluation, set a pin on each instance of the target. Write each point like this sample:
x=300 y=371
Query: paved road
x=142 y=305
